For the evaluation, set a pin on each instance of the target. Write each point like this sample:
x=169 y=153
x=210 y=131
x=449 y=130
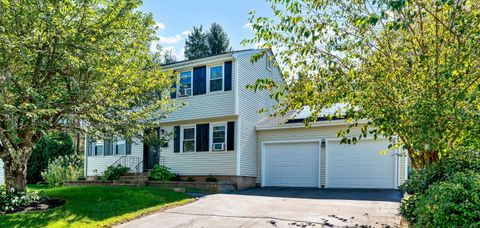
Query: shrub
x=114 y=172
x=63 y=168
x=50 y=147
x=13 y=202
x=176 y=178
x=407 y=208
x=451 y=203
x=461 y=160
x=160 y=173
x=191 y=179
x=210 y=178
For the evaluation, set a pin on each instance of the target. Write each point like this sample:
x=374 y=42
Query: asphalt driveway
x=283 y=207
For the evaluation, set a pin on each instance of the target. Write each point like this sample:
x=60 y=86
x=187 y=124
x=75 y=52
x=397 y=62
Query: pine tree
x=218 y=41
x=196 y=45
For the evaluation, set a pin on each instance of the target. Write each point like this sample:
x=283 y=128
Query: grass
x=93 y=206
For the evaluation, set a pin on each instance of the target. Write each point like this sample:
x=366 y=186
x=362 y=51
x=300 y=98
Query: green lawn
x=91 y=206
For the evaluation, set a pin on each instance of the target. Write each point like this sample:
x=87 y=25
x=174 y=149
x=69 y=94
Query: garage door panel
x=291 y=164
x=360 y=165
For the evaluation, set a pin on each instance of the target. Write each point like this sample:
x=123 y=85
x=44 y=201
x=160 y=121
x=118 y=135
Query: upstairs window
x=216 y=78
x=189 y=139
x=218 y=137
x=185 y=87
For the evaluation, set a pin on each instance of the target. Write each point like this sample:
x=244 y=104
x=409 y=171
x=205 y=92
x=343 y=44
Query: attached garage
x=291 y=164
x=295 y=156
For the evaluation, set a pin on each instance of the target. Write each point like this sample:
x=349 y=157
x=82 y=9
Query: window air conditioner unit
x=218 y=146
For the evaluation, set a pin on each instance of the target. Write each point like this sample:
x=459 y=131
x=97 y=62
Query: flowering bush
x=63 y=168
x=15 y=201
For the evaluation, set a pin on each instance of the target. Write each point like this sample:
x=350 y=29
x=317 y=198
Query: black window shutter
x=173 y=92
x=202 y=137
x=107 y=148
x=89 y=147
x=228 y=76
x=199 y=80
x=128 y=148
x=176 y=139
x=230 y=135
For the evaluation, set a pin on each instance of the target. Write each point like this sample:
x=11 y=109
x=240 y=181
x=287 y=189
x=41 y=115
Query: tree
x=161 y=55
x=67 y=61
x=218 y=41
x=48 y=148
x=201 y=44
x=169 y=57
x=411 y=68
x=196 y=45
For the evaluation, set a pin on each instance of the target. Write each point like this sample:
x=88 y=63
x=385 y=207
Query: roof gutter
x=301 y=125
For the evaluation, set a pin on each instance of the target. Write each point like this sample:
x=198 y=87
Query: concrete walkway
x=283 y=207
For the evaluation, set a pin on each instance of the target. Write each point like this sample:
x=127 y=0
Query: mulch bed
x=49 y=204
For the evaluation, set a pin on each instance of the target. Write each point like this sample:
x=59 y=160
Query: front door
x=151 y=155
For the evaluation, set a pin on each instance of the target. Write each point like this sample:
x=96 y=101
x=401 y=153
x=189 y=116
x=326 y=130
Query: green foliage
x=47 y=149
x=160 y=173
x=217 y=39
x=191 y=179
x=211 y=179
x=18 y=200
x=196 y=45
x=409 y=67
x=408 y=207
x=451 y=203
x=446 y=193
x=201 y=44
x=96 y=206
x=461 y=160
x=69 y=167
x=65 y=62
x=114 y=172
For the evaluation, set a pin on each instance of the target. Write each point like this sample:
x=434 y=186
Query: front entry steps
x=132 y=179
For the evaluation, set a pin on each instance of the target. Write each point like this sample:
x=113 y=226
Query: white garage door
x=360 y=165
x=291 y=164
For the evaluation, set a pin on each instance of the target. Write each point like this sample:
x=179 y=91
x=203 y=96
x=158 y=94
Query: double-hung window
x=185 y=87
x=120 y=147
x=218 y=137
x=188 y=139
x=98 y=148
x=216 y=78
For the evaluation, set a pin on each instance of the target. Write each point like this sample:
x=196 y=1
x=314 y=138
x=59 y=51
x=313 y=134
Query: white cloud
x=186 y=32
x=170 y=40
x=160 y=25
x=248 y=26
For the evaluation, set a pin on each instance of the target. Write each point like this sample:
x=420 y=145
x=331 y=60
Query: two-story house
x=220 y=133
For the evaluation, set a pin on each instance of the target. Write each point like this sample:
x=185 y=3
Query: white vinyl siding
x=209 y=105
x=100 y=163
x=199 y=163
x=249 y=103
x=324 y=132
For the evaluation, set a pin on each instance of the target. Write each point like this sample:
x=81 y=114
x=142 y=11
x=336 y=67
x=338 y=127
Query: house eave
x=301 y=125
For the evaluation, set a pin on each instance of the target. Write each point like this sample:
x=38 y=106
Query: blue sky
x=176 y=19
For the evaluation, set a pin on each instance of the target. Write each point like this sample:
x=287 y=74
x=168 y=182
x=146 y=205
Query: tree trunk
x=16 y=172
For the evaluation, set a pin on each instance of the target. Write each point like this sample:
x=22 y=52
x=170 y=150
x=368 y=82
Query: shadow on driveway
x=317 y=193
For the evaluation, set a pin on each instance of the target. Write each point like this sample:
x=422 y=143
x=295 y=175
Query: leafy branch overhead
x=411 y=68
x=67 y=61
